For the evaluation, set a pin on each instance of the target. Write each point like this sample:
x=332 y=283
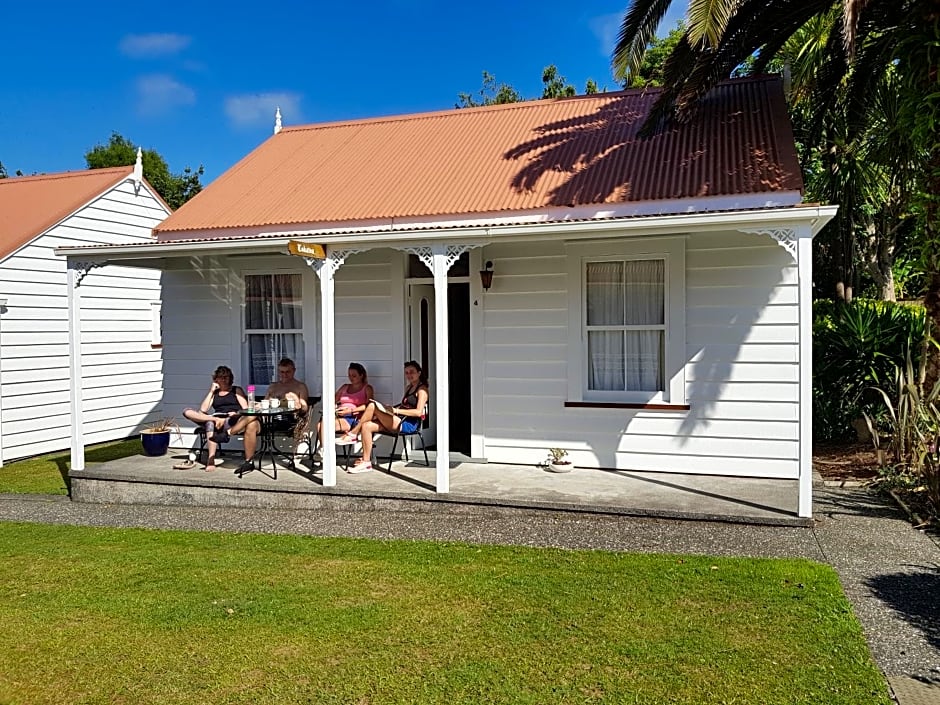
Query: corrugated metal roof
x=523 y=156
x=30 y=205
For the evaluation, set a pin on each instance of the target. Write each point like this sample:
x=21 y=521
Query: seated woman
x=351 y=399
x=403 y=418
x=227 y=402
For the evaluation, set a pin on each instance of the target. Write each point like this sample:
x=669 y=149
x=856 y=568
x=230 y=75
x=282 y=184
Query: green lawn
x=90 y=615
x=46 y=474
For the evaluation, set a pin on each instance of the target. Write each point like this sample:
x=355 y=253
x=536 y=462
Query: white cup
x=290 y=404
x=275 y=402
x=265 y=404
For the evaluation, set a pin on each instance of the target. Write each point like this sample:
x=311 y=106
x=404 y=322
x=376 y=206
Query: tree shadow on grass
x=913 y=595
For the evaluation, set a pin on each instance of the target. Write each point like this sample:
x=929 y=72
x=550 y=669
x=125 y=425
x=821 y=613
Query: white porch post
x=439 y=259
x=325 y=269
x=804 y=263
x=439 y=268
x=3 y=303
x=798 y=241
x=76 y=272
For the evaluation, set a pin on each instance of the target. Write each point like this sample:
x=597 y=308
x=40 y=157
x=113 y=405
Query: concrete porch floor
x=149 y=480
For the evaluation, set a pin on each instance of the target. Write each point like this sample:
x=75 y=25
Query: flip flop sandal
x=185 y=465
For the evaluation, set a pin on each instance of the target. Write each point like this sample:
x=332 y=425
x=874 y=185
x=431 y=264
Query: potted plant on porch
x=557 y=461
x=156 y=437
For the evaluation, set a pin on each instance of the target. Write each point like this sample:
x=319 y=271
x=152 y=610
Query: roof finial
x=138 y=169
x=277 y=120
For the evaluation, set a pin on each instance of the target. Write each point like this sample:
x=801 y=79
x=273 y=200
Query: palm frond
x=850 y=16
x=707 y=20
x=638 y=29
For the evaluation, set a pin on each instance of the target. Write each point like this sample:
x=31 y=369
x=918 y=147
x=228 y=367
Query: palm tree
x=873 y=36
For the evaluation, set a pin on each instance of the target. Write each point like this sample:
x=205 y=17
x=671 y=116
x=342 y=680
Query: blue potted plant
x=156 y=437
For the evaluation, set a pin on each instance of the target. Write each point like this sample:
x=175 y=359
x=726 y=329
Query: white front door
x=421 y=344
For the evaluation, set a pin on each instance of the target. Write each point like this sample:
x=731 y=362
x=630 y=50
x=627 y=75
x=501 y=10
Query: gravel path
x=889 y=571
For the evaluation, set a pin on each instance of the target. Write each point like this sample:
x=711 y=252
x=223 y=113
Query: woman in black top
x=403 y=418
x=226 y=402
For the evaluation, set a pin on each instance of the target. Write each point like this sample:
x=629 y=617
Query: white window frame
x=303 y=331
x=156 y=324
x=672 y=251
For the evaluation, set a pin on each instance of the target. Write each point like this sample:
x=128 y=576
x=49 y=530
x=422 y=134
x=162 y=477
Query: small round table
x=269 y=418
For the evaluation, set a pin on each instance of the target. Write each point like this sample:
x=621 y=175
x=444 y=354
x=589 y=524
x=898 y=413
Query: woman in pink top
x=352 y=398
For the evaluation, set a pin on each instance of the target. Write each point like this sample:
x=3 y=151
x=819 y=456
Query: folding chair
x=404 y=444
x=347 y=447
x=200 y=433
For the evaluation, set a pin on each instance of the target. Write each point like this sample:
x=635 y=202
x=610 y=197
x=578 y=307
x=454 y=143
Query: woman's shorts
x=351 y=420
x=409 y=425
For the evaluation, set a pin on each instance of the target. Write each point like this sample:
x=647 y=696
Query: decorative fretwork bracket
x=333 y=261
x=785 y=237
x=82 y=269
x=426 y=253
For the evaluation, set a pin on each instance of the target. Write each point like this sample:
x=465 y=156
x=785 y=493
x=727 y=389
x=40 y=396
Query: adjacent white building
x=119 y=357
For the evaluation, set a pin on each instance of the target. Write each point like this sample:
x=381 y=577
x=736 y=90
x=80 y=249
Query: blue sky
x=199 y=81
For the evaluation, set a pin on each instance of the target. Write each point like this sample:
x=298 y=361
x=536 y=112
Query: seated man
x=288 y=387
x=226 y=402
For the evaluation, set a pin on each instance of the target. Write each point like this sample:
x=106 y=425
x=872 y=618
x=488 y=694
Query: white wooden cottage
x=650 y=301
x=120 y=345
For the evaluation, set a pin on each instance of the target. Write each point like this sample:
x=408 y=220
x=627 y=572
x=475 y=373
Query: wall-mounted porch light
x=486 y=276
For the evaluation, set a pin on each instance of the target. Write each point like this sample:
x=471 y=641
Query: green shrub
x=911 y=425
x=858 y=347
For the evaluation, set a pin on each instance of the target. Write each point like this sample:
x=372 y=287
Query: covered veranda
x=437 y=257
x=410 y=486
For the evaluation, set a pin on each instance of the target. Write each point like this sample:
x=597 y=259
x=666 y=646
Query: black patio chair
x=200 y=433
x=404 y=444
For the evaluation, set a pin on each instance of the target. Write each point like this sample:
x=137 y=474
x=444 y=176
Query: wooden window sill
x=625 y=405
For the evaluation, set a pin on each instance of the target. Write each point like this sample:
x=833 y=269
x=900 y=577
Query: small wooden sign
x=306 y=249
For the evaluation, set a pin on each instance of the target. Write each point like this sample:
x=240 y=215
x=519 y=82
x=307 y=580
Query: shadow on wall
x=741 y=294
x=740 y=354
x=742 y=332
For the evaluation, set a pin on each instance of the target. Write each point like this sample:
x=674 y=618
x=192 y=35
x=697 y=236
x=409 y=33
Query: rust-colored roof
x=30 y=205
x=507 y=158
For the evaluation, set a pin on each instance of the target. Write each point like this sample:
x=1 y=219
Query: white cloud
x=257 y=110
x=145 y=46
x=158 y=94
x=607 y=28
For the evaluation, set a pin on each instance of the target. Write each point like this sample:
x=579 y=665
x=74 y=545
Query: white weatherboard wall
x=741 y=366
x=116 y=331
x=203 y=322
x=369 y=320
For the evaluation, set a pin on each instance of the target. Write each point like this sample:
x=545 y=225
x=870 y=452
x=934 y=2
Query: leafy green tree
x=872 y=36
x=3 y=171
x=175 y=189
x=493 y=93
x=554 y=85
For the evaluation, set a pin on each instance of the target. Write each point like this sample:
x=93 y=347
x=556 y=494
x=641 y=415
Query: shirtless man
x=287 y=387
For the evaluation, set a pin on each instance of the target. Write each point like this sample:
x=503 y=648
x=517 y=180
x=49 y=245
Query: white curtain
x=622 y=299
x=273 y=303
